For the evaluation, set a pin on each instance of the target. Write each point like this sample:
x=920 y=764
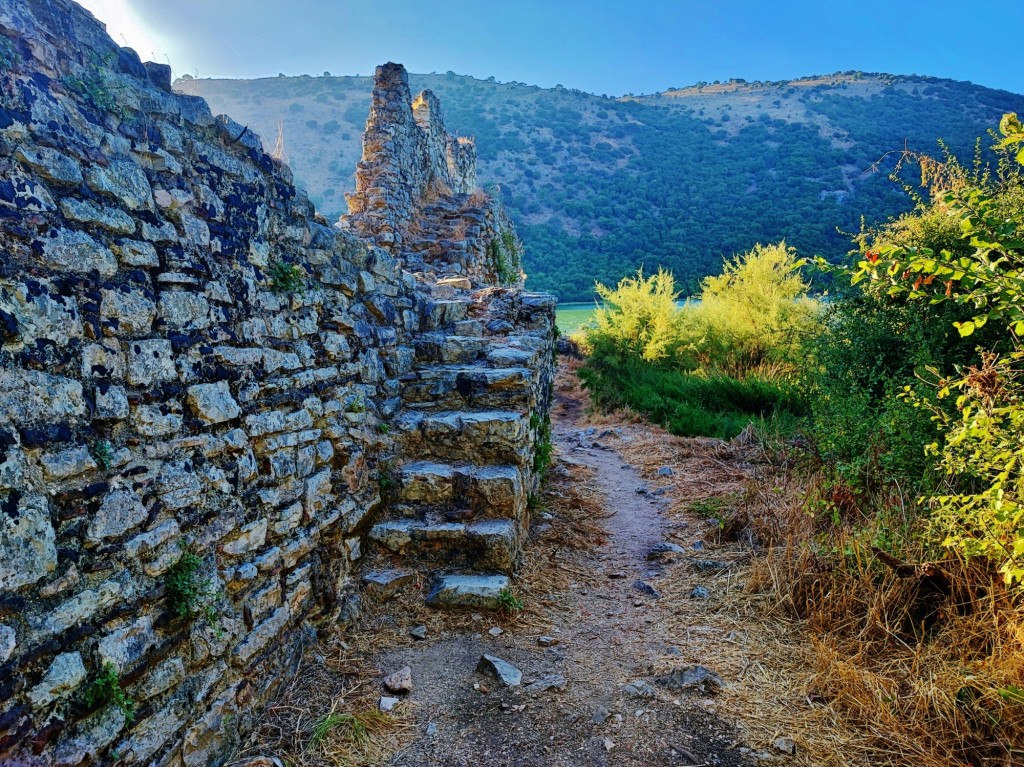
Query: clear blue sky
x=600 y=46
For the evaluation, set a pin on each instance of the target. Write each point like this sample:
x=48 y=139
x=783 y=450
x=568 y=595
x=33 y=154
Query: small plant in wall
x=189 y=593
x=105 y=689
x=286 y=278
x=102 y=453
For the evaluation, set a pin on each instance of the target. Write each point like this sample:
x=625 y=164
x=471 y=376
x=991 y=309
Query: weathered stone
x=382 y=584
x=659 y=550
x=92 y=737
x=249 y=538
x=111 y=403
x=545 y=683
x=123 y=179
x=162 y=678
x=388 y=704
x=150 y=362
x=8 y=641
x=182 y=309
x=213 y=403
x=418 y=632
x=477 y=591
x=120 y=511
x=27 y=542
x=51 y=164
x=136 y=253
x=150 y=735
x=83 y=606
x=77 y=252
x=400 y=681
x=68 y=463
x=639 y=688
x=125 y=647
x=86 y=212
x=132 y=312
x=691 y=678
x=152 y=421
x=508 y=674
x=29 y=395
x=65 y=674
x=262 y=635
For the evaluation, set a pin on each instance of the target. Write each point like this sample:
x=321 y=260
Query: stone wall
x=196 y=372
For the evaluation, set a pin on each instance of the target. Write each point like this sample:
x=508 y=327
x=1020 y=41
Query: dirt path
x=609 y=626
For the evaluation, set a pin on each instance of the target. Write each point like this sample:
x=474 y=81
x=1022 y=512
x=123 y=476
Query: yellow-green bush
x=755 y=312
x=640 y=318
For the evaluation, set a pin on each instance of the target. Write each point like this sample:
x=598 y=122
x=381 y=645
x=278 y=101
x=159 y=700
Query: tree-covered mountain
x=600 y=186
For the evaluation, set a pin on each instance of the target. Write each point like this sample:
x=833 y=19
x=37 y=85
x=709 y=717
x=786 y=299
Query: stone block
x=130 y=311
x=65 y=673
x=27 y=542
x=213 y=403
x=126 y=646
x=120 y=511
x=150 y=362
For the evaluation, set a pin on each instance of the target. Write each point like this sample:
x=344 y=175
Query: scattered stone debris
x=699 y=592
x=785 y=745
x=639 y=688
x=495 y=631
x=400 y=681
x=665 y=471
x=419 y=632
x=647 y=589
x=431 y=729
x=600 y=715
x=691 y=678
x=546 y=641
x=501 y=669
x=661 y=549
x=545 y=683
x=388 y=704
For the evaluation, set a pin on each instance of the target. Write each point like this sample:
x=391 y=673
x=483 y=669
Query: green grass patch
x=694 y=404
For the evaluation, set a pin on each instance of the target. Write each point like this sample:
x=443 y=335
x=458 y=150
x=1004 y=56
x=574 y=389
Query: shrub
x=639 y=318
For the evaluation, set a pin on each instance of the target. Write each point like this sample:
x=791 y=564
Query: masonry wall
x=192 y=361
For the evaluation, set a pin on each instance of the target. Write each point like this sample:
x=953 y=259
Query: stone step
x=487 y=544
x=465 y=387
x=489 y=437
x=477 y=592
x=440 y=312
x=451 y=349
x=487 y=491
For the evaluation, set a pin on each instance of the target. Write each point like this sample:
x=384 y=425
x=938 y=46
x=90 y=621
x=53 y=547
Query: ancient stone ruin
x=215 y=406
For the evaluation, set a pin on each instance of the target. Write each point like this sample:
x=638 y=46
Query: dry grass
x=328 y=716
x=823 y=642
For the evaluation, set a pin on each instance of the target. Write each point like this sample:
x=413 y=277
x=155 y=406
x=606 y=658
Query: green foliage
x=97 y=87
x=509 y=602
x=597 y=198
x=7 y=54
x=983 y=453
x=960 y=254
x=543 y=448
x=639 y=318
x=189 y=594
x=692 y=404
x=286 y=278
x=755 y=312
x=103 y=453
x=352 y=727
x=506 y=254
x=105 y=689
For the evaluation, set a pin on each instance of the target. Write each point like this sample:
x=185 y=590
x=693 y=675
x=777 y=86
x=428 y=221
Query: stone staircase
x=473 y=410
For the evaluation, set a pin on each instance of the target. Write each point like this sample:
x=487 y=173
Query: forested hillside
x=600 y=186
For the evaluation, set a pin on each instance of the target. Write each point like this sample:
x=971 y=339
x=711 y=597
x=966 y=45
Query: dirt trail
x=610 y=627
